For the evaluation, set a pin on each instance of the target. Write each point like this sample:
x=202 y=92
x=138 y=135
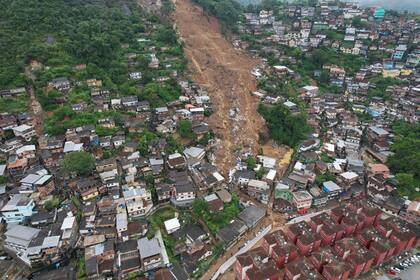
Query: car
x=391 y=271
x=397 y=270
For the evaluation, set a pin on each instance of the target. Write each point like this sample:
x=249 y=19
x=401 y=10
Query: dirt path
x=34 y=106
x=36 y=111
x=225 y=72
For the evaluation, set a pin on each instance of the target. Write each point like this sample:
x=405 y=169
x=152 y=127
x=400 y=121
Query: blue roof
x=330 y=186
x=379 y=13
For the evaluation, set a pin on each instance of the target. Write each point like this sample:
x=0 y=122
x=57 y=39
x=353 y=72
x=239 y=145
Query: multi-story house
x=184 y=193
x=138 y=201
x=61 y=84
x=19 y=207
x=39 y=181
x=378 y=138
x=164 y=192
x=69 y=229
x=259 y=189
x=302 y=200
x=87 y=188
x=19 y=238
x=150 y=253
x=25 y=131
x=27 y=151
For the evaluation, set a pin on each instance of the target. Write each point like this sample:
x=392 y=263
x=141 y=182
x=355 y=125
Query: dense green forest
x=109 y=39
x=405 y=163
x=61 y=34
x=227 y=11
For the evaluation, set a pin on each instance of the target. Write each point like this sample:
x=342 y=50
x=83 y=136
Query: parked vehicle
x=391 y=271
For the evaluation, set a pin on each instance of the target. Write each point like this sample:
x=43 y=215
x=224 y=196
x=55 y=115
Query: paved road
x=306 y=217
x=222 y=269
x=413 y=273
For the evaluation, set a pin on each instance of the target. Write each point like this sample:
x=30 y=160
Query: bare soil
x=37 y=112
x=35 y=107
x=226 y=73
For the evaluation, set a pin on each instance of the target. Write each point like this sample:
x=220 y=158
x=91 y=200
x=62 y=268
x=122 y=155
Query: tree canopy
x=405 y=162
x=251 y=162
x=228 y=11
x=351 y=63
x=185 y=129
x=81 y=163
x=60 y=32
x=285 y=128
x=216 y=220
x=52 y=203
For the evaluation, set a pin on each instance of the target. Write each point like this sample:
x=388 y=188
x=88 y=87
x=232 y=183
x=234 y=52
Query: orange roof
x=189 y=106
x=18 y=163
x=414 y=206
x=378 y=168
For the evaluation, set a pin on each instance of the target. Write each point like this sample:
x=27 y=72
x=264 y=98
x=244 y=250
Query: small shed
x=172 y=225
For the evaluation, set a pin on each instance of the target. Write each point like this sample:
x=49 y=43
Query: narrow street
x=250 y=243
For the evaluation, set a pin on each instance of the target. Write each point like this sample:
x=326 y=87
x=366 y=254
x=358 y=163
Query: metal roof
x=68 y=222
x=23 y=233
x=148 y=248
x=50 y=242
x=172 y=224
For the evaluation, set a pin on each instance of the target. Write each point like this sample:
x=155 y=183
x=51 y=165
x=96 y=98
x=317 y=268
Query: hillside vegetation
x=90 y=39
x=227 y=11
x=405 y=163
x=285 y=127
x=62 y=34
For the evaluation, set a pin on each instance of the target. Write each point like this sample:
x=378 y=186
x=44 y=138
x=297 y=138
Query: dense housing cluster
x=351 y=73
x=341 y=244
x=108 y=159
